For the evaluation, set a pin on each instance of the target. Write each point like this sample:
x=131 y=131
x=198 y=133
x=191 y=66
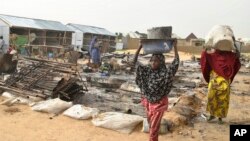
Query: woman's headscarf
x=154 y=84
x=161 y=58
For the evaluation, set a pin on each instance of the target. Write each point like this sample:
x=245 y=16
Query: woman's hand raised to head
x=137 y=53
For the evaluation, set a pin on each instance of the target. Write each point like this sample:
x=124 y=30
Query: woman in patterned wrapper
x=155 y=82
x=219 y=69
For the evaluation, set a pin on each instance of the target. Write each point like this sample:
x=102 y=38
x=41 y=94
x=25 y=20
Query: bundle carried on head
x=221 y=37
x=159 y=40
x=160 y=32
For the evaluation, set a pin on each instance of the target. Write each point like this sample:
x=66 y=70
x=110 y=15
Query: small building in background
x=197 y=42
x=83 y=35
x=244 y=44
x=190 y=37
x=132 y=40
x=35 y=36
x=192 y=40
x=191 y=44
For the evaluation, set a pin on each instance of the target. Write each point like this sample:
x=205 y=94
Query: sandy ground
x=20 y=123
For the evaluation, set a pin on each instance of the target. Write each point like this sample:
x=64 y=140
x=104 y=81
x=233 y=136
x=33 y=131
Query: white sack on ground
x=120 y=122
x=53 y=106
x=81 y=112
x=21 y=100
x=35 y=99
x=220 y=37
x=8 y=95
x=7 y=102
x=128 y=86
x=17 y=100
x=13 y=99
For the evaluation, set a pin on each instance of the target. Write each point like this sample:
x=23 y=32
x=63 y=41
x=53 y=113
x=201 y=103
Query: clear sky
x=186 y=16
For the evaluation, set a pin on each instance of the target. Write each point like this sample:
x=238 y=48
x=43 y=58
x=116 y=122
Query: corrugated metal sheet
x=14 y=21
x=133 y=35
x=91 y=29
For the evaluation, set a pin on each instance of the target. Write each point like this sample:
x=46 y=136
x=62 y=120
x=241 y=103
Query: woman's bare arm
x=137 y=54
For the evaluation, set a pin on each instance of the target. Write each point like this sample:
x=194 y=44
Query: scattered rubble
x=7 y=65
x=45 y=79
x=114 y=93
x=245 y=61
x=248 y=65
